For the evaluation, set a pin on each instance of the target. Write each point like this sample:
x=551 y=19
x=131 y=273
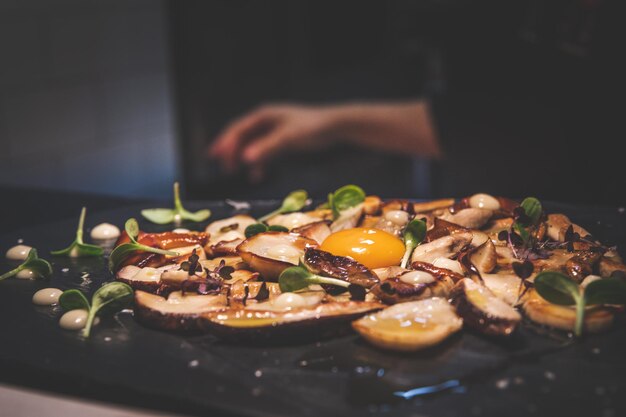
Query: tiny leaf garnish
x=73 y=300
x=78 y=248
x=557 y=288
x=111 y=297
x=413 y=235
x=345 y=198
x=40 y=267
x=295 y=200
x=606 y=291
x=256 y=228
x=175 y=215
x=296 y=278
x=122 y=251
x=532 y=209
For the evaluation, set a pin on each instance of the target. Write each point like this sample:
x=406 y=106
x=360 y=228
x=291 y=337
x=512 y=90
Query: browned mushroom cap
x=290 y=325
x=223 y=248
x=270 y=253
x=582 y=264
x=410 y=326
x=341 y=267
x=178 y=313
x=443 y=228
x=317 y=231
x=482 y=310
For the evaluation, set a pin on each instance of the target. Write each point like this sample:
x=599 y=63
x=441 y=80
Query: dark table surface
x=336 y=377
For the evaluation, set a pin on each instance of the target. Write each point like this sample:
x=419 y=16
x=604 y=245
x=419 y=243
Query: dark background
x=122 y=97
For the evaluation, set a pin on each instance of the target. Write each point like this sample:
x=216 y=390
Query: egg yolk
x=371 y=247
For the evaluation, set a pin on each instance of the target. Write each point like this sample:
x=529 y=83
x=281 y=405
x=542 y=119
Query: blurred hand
x=262 y=135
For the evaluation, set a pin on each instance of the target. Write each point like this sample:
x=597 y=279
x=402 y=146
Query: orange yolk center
x=371 y=247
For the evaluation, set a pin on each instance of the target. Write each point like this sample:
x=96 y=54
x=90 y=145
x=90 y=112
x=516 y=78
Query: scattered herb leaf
x=294 y=201
x=175 y=215
x=345 y=198
x=78 y=248
x=296 y=278
x=39 y=266
x=111 y=297
x=558 y=288
x=73 y=300
x=413 y=235
x=256 y=228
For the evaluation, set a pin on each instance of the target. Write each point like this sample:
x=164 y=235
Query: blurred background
x=122 y=97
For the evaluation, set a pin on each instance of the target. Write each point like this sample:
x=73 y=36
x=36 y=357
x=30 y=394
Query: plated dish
x=404 y=275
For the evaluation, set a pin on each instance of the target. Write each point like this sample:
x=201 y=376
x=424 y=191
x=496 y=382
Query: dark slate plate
x=536 y=372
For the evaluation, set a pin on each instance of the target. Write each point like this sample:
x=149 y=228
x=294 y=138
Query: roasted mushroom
x=482 y=310
x=347 y=269
x=444 y=247
x=410 y=326
x=317 y=231
x=146 y=278
x=229 y=229
x=472 y=218
x=292 y=220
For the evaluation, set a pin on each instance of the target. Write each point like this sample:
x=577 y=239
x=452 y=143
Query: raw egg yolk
x=371 y=247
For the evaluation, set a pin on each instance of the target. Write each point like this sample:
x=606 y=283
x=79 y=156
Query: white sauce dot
x=485 y=201
x=398 y=217
x=289 y=300
x=417 y=277
x=74 y=320
x=27 y=274
x=450 y=264
x=18 y=252
x=47 y=296
x=181 y=230
x=105 y=231
x=74 y=252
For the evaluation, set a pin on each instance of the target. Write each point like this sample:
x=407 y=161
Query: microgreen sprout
x=256 y=228
x=296 y=278
x=78 y=248
x=414 y=234
x=295 y=200
x=345 y=198
x=175 y=215
x=40 y=267
x=122 y=251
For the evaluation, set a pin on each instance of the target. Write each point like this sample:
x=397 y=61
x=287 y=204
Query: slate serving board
x=535 y=373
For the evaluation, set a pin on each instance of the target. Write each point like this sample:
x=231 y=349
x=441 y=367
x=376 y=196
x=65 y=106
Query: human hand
x=262 y=135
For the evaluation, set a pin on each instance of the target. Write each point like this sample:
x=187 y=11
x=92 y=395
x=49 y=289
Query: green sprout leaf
x=558 y=288
x=40 y=267
x=175 y=215
x=295 y=200
x=73 y=300
x=345 y=198
x=532 y=208
x=78 y=248
x=111 y=297
x=121 y=252
x=414 y=234
x=296 y=278
x=256 y=228
x=606 y=291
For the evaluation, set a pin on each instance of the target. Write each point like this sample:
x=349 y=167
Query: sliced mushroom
x=484 y=257
x=410 y=326
x=597 y=318
x=347 y=219
x=505 y=286
x=608 y=265
x=224 y=248
x=389 y=272
x=244 y=294
x=482 y=310
x=558 y=225
x=582 y=264
x=270 y=253
x=234 y=261
x=292 y=220
x=472 y=218
x=145 y=279
x=372 y=205
x=229 y=229
x=317 y=231
x=178 y=313
x=341 y=267
x=306 y=322
x=443 y=228
x=426 y=206
x=444 y=247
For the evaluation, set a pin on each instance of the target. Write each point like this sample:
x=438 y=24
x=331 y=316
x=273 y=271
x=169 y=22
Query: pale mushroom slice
x=317 y=231
x=444 y=247
x=425 y=206
x=178 y=312
x=482 y=310
x=472 y=218
x=270 y=253
x=229 y=229
x=558 y=225
x=146 y=278
x=484 y=257
x=410 y=326
x=293 y=220
x=597 y=318
x=506 y=286
x=347 y=219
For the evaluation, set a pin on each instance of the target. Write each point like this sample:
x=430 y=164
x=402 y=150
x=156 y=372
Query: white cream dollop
x=484 y=201
x=27 y=274
x=74 y=319
x=47 y=296
x=105 y=231
x=18 y=252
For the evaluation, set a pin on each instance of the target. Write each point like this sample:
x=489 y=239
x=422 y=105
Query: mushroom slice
x=347 y=219
x=582 y=264
x=185 y=252
x=245 y=294
x=389 y=272
x=179 y=313
x=410 y=326
x=372 y=205
x=597 y=318
x=472 y=218
x=234 y=261
x=145 y=279
x=443 y=228
x=317 y=231
x=484 y=257
x=224 y=247
x=558 y=225
x=446 y=247
x=286 y=324
x=292 y=220
x=270 y=253
x=229 y=229
x=341 y=267
x=608 y=265
x=422 y=207
x=505 y=286
x=482 y=310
